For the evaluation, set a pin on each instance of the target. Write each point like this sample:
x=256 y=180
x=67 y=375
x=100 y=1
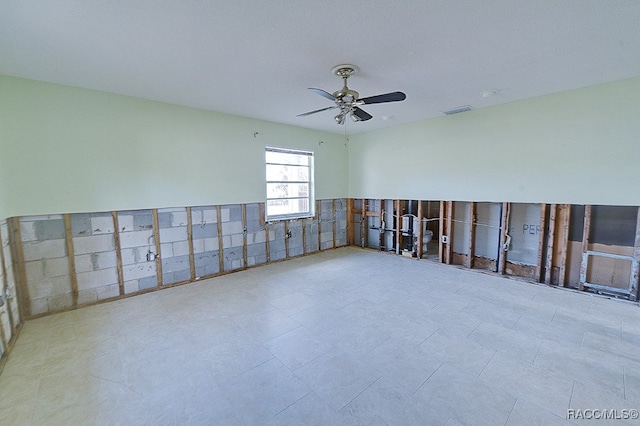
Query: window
x=289 y=183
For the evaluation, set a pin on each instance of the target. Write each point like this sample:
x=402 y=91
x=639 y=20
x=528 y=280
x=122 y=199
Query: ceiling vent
x=458 y=110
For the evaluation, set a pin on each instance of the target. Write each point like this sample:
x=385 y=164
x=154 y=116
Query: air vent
x=457 y=110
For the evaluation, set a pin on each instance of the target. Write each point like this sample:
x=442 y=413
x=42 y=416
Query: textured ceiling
x=257 y=58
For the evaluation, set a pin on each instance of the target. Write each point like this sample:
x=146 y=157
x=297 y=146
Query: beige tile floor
x=345 y=337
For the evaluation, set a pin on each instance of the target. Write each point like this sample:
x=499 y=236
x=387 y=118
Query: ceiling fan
x=348 y=101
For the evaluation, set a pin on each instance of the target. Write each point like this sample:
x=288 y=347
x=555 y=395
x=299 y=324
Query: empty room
x=319 y=213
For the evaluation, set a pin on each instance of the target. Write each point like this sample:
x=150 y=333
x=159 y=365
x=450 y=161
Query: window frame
x=310 y=182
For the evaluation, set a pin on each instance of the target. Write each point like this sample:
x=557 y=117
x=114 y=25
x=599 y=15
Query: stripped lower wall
x=594 y=248
x=72 y=260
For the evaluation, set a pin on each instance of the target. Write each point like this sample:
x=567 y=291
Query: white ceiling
x=257 y=58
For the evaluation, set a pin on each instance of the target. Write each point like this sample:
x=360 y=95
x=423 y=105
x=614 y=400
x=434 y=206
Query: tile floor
x=345 y=337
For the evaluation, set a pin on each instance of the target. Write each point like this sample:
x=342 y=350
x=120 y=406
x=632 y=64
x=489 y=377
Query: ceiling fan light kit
x=349 y=101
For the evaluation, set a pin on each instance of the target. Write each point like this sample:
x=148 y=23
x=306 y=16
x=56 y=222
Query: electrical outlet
x=445 y=239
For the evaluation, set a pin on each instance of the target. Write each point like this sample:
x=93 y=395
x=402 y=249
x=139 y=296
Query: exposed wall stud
x=334 y=222
x=541 y=240
x=449 y=233
x=286 y=238
x=72 y=259
x=420 y=232
x=585 y=246
x=156 y=239
x=5 y=285
x=504 y=232
x=20 y=272
x=350 y=223
x=192 y=257
x=319 y=214
x=472 y=235
x=551 y=238
x=244 y=236
x=635 y=270
x=220 y=242
x=116 y=239
x=563 y=240
x=398 y=225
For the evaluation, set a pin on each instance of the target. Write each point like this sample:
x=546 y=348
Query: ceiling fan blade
x=323 y=93
x=318 y=110
x=387 y=97
x=362 y=114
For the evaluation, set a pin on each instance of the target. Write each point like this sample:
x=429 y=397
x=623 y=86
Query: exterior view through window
x=289 y=183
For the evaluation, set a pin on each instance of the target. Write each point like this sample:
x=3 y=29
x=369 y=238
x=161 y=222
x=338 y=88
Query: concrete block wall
x=83 y=258
x=312 y=242
x=137 y=250
x=277 y=241
x=340 y=218
x=46 y=263
x=232 y=237
x=174 y=245
x=295 y=238
x=256 y=235
x=326 y=224
x=204 y=229
x=94 y=254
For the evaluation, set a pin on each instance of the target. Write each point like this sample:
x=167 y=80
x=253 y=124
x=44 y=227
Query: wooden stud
x=551 y=237
x=563 y=240
x=262 y=213
x=15 y=234
x=266 y=238
x=319 y=211
x=585 y=246
x=286 y=239
x=304 y=236
x=5 y=285
x=192 y=257
x=245 y=257
x=350 y=223
x=504 y=230
x=381 y=239
x=334 y=222
x=220 y=242
x=3 y=337
x=72 y=259
x=420 y=232
x=441 y=232
x=116 y=238
x=635 y=270
x=156 y=240
x=472 y=235
x=449 y=233
x=364 y=222
x=398 y=226
x=541 y=239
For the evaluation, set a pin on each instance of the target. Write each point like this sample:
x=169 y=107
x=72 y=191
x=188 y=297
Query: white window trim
x=311 y=196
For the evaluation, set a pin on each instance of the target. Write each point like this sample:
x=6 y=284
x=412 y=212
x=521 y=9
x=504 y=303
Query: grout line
x=363 y=391
x=427 y=379
x=511 y=412
x=488 y=362
x=287 y=407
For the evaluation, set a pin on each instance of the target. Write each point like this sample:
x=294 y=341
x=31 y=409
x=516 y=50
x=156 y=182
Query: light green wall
x=64 y=149
x=580 y=146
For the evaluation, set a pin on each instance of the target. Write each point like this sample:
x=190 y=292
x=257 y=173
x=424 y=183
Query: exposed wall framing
x=531 y=241
x=70 y=260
